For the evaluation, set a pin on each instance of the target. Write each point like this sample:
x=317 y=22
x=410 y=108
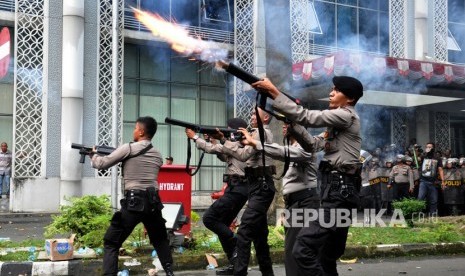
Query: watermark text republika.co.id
x=340 y=217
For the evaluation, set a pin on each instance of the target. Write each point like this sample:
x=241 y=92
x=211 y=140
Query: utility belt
x=345 y=184
x=234 y=178
x=260 y=171
x=292 y=198
x=142 y=200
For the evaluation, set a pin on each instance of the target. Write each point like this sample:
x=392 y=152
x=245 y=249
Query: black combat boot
x=227 y=270
x=168 y=267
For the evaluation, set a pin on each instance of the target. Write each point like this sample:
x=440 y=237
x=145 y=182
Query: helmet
x=408 y=159
x=452 y=161
x=462 y=161
x=400 y=158
x=388 y=161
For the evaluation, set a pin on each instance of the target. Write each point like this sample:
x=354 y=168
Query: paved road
x=18 y=227
x=421 y=266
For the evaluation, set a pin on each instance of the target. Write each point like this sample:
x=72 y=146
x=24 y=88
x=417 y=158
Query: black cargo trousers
x=254 y=226
x=224 y=210
x=300 y=200
x=123 y=223
x=319 y=245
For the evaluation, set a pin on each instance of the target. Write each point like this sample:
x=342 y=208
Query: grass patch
x=447 y=229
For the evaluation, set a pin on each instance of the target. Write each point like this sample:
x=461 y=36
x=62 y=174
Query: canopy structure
x=372 y=66
x=387 y=81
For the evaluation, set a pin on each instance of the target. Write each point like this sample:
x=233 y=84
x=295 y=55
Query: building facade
x=61 y=86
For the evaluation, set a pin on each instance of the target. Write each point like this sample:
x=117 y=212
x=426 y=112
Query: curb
x=198 y=262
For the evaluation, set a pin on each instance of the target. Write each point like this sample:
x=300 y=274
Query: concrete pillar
x=410 y=41
x=72 y=97
x=421 y=29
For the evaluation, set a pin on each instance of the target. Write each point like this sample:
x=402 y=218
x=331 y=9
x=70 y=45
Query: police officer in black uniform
x=254 y=223
x=141 y=164
x=318 y=247
x=223 y=211
x=299 y=183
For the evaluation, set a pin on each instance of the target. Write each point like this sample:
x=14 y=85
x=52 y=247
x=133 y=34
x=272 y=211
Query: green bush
x=88 y=217
x=195 y=217
x=409 y=207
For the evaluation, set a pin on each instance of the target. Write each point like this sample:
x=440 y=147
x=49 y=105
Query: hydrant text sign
x=176 y=186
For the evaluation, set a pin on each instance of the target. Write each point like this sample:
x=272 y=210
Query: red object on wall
x=176 y=186
x=4 y=51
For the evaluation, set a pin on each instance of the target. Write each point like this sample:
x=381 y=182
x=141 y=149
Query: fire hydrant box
x=60 y=249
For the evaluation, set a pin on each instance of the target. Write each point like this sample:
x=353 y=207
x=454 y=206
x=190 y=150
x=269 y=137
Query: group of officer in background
x=437 y=178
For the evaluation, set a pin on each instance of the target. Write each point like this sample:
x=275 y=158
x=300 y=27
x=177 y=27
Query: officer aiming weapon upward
x=86 y=150
x=249 y=78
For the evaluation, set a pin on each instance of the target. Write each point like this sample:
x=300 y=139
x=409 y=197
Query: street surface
x=421 y=266
x=18 y=227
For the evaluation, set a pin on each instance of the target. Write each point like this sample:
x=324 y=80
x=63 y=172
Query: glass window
x=383 y=32
x=131 y=60
x=154 y=100
x=347 y=27
x=128 y=128
x=183 y=70
x=451 y=42
x=326 y=13
x=313 y=22
x=184 y=91
x=6 y=99
x=162 y=7
x=184 y=110
x=456 y=11
x=369 y=4
x=6 y=130
x=368 y=30
x=347 y=2
x=155 y=63
x=183 y=15
x=214 y=10
x=212 y=93
x=161 y=141
x=130 y=101
x=384 y=5
x=209 y=75
x=164 y=86
x=458 y=31
x=213 y=115
x=210 y=178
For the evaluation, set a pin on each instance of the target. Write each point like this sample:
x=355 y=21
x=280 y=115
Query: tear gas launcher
x=210 y=130
x=86 y=150
x=249 y=78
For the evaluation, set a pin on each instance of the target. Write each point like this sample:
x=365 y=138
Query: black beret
x=351 y=87
x=237 y=123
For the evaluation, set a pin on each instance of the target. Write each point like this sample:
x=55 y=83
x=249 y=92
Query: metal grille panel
x=300 y=38
x=399 y=121
x=397 y=28
x=30 y=84
x=440 y=30
x=441 y=130
x=244 y=52
x=104 y=100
